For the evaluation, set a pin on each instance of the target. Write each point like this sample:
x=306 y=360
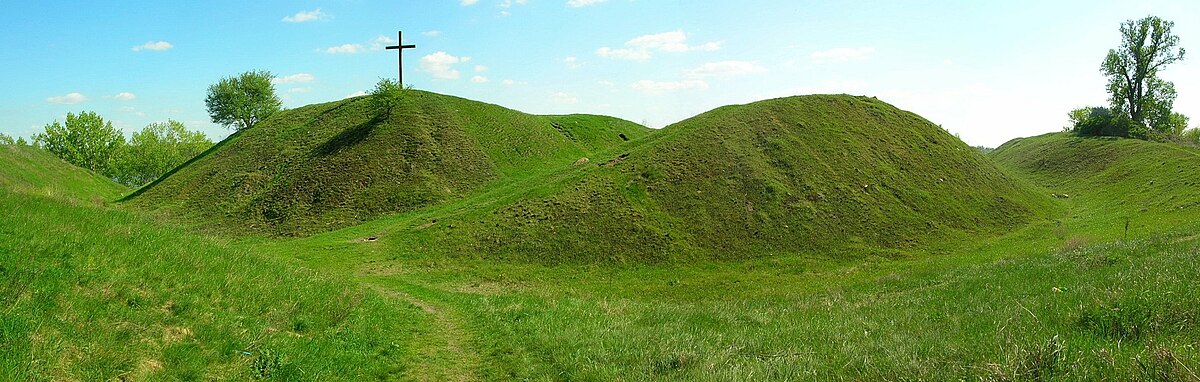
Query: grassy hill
x=331 y=165
x=1111 y=181
x=832 y=174
x=92 y=292
x=27 y=170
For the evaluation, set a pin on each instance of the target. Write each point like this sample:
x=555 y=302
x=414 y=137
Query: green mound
x=27 y=170
x=1111 y=180
x=828 y=173
x=331 y=165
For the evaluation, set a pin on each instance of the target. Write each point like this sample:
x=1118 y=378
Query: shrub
x=387 y=95
x=1101 y=121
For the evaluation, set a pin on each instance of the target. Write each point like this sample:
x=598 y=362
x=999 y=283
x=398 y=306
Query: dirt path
x=444 y=353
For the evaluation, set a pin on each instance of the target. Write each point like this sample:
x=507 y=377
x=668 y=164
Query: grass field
x=97 y=291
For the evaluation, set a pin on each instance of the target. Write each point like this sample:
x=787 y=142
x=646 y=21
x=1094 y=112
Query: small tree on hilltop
x=1147 y=45
x=243 y=101
x=85 y=140
x=387 y=95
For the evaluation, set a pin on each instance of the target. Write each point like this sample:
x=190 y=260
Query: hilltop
x=331 y=165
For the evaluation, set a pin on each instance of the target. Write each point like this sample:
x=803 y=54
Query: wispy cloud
x=837 y=55
x=432 y=33
x=725 y=69
x=154 y=46
x=304 y=16
x=513 y=83
x=656 y=87
x=572 y=62
x=564 y=98
x=583 y=3
x=468 y=2
x=294 y=79
x=124 y=96
x=479 y=79
x=68 y=99
x=441 y=65
x=344 y=49
x=641 y=48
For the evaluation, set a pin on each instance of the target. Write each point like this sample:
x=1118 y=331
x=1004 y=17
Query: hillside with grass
x=829 y=173
x=1111 y=181
x=331 y=165
x=31 y=171
x=93 y=292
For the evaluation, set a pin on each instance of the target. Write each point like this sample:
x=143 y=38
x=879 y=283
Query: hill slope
x=330 y=165
x=813 y=173
x=1109 y=180
x=27 y=170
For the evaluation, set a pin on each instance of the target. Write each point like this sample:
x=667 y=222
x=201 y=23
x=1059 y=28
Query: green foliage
x=85 y=140
x=387 y=95
x=6 y=140
x=243 y=101
x=158 y=148
x=1191 y=136
x=21 y=141
x=1135 y=91
x=1101 y=121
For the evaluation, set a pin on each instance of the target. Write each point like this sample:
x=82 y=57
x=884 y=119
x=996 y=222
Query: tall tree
x=244 y=100
x=85 y=140
x=1147 y=45
x=156 y=150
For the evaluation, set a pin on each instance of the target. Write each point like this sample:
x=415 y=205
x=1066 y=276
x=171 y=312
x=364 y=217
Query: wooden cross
x=400 y=47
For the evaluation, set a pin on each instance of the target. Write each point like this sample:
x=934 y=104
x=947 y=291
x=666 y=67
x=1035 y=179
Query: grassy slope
x=88 y=292
x=1039 y=303
x=331 y=165
x=31 y=171
x=817 y=174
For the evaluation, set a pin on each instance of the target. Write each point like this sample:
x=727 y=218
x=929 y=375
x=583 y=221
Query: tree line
x=1141 y=104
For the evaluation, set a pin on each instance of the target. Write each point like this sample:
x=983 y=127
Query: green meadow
x=807 y=238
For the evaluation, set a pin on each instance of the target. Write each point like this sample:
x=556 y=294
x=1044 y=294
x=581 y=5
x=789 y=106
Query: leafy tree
x=5 y=139
x=1147 y=45
x=243 y=101
x=85 y=140
x=387 y=95
x=21 y=141
x=1191 y=136
x=156 y=150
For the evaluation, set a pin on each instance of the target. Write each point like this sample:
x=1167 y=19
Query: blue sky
x=988 y=71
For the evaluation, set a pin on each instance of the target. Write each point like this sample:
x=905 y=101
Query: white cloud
x=68 y=99
x=513 y=83
x=468 y=2
x=359 y=93
x=480 y=68
x=572 y=62
x=641 y=47
x=583 y=3
x=510 y=3
x=432 y=33
x=605 y=83
x=441 y=65
x=837 y=55
x=725 y=69
x=344 y=49
x=294 y=79
x=653 y=87
x=623 y=54
x=479 y=79
x=124 y=96
x=564 y=98
x=303 y=16
x=153 y=45
x=299 y=90
x=127 y=109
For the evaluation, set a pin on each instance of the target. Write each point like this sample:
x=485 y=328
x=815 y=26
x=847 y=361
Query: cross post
x=400 y=47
